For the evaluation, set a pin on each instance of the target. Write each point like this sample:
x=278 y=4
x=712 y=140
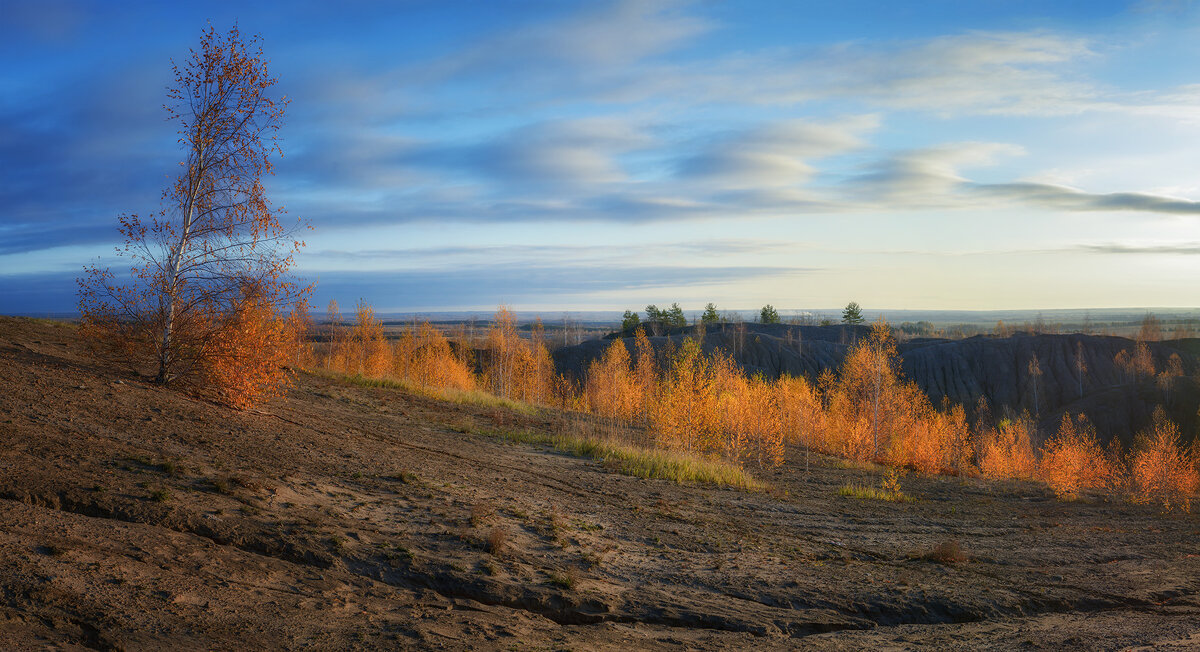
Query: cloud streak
x=1183 y=249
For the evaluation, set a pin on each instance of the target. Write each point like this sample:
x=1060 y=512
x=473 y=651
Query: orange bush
x=431 y=361
x=247 y=365
x=1073 y=460
x=372 y=356
x=1007 y=451
x=1162 y=471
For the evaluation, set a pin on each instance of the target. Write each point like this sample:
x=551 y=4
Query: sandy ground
x=347 y=517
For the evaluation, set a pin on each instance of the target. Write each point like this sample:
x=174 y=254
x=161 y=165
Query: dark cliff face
x=963 y=371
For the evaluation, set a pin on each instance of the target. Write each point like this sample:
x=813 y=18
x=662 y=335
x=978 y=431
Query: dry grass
x=496 y=541
x=873 y=493
x=461 y=397
x=480 y=513
x=564 y=580
x=946 y=552
x=641 y=462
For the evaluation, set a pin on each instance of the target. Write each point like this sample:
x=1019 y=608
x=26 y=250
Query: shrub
x=1161 y=470
x=496 y=540
x=1073 y=460
x=947 y=552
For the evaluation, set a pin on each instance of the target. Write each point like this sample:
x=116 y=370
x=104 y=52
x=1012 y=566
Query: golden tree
x=216 y=252
x=1161 y=470
x=372 y=355
x=859 y=400
x=686 y=416
x=1007 y=451
x=611 y=387
x=645 y=373
x=1073 y=460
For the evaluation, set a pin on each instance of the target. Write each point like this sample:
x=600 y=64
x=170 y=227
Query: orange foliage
x=427 y=359
x=208 y=271
x=686 y=415
x=1162 y=471
x=701 y=402
x=1007 y=451
x=299 y=327
x=611 y=386
x=421 y=355
x=517 y=368
x=247 y=365
x=1073 y=461
x=370 y=354
x=1137 y=365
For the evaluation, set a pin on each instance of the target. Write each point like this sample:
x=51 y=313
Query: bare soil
x=134 y=517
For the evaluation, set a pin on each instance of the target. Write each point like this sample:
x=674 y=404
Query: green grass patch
x=873 y=493
x=639 y=462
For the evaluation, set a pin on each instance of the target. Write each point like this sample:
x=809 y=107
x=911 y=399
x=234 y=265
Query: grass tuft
x=873 y=493
x=946 y=552
x=565 y=580
x=496 y=540
x=405 y=477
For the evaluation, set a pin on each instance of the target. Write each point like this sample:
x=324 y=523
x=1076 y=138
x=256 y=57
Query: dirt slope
x=345 y=517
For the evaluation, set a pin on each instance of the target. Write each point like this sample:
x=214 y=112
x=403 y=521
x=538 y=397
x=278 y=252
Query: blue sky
x=605 y=155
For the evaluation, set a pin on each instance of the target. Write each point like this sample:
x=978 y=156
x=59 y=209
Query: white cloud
x=605 y=36
x=775 y=154
x=924 y=177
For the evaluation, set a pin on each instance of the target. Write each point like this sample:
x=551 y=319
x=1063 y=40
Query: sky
x=601 y=155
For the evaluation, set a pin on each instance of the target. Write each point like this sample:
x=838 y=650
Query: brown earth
x=347 y=517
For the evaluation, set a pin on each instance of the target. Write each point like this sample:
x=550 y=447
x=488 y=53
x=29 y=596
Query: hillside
x=351 y=517
x=964 y=370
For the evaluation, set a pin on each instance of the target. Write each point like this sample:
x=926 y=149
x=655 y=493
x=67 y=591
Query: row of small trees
x=673 y=317
x=687 y=399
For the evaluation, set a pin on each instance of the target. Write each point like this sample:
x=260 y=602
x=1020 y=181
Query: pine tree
x=630 y=321
x=852 y=314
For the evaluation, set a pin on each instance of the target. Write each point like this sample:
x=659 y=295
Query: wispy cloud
x=486 y=286
x=605 y=35
x=924 y=177
x=623 y=255
x=1066 y=198
x=775 y=154
x=1182 y=249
